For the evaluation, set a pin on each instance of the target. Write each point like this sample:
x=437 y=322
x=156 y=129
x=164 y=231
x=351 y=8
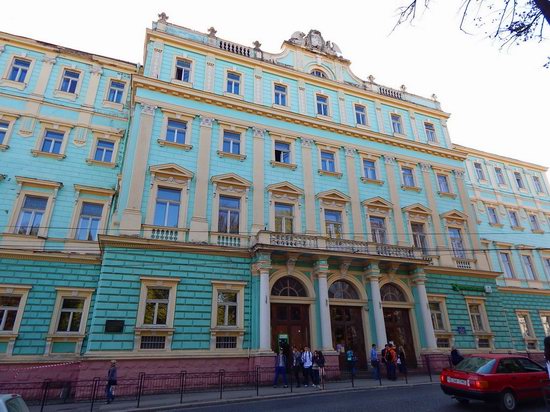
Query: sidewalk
x=172 y=401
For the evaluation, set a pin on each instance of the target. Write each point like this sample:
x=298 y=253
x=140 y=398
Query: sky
x=498 y=99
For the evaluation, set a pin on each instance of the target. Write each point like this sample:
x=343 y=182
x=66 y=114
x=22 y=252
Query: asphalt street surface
x=428 y=398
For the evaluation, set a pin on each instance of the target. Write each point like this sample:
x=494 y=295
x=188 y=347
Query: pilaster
x=420 y=282
x=321 y=272
x=48 y=61
x=258 y=201
x=262 y=266
x=309 y=190
x=354 y=193
x=394 y=184
x=372 y=272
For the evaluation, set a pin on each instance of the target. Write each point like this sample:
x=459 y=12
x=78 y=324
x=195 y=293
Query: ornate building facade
x=220 y=199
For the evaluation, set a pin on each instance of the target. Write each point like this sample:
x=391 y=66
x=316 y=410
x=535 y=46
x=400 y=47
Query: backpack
x=388 y=356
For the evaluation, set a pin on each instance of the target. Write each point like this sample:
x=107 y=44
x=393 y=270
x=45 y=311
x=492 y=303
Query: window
x=396 y=123
x=288 y=286
x=183 y=70
x=280 y=94
x=456 y=243
x=70 y=315
x=342 y=289
x=514 y=218
x=152 y=342
x=493 y=216
x=4 y=126
x=419 y=237
x=104 y=151
x=227 y=308
x=500 y=176
x=378 y=229
x=231 y=142
x=9 y=305
x=477 y=317
x=430 y=132
x=530 y=273
x=167 y=207
x=322 y=105
x=19 y=70
x=360 y=115
x=545 y=320
x=284 y=218
x=282 y=152
x=327 y=161
x=333 y=223
x=480 y=174
x=369 y=168
x=116 y=91
x=392 y=293
x=233 y=83
x=88 y=223
x=156 y=306
x=52 y=142
x=437 y=316
x=519 y=180
x=547 y=265
x=31 y=215
x=506 y=261
x=176 y=131
x=536 y=182
x=229 y=214
x=525 y=325
x=226 y=342
x=69 y=81
x=408 y=177
x=443 y=183
x=319 y=73
x=534 y=222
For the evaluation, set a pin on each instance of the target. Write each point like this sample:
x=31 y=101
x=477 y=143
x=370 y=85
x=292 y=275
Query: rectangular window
x=480 y=174
x=443 y=183
x=547 y=265
x=500 y=176
x=519 y=180
x=233 y=83
x=31 y=215
x=333 y=223
x=284 y=218
x=167 y=207
x=116 y=91
x=156 y=306
x=396 y=124
x=534 y=222
x=430 y=132
x=280 y=94
x=369 y=168
x=327 y=162
x=104 y=151
x=152 y=342
x=69 y=81
x=437 y=316
x=229 y=214
x=227 y=309
x=176 y=131
x=514 y=218
x=88 y=223
x=493 y=216
x=231 y=142
x=378 y=229
x=52 y=142
x=545 y=320
x=528 y=266
x=3 y=131
x=70 y=315
x=322 y=105
x=183 y=70
x=538 y=184
x=408 y=177
x=456 y=243
x=476 y=317
x=282 y=152
x=525 y=326
x=9 y=305
x=19 y=70
x=419 y=237
x=226 y=342
x=506 y=261
x=360 y=115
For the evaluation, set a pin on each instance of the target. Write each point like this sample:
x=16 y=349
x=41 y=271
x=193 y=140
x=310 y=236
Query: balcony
x=172 y=234
x=229 y=239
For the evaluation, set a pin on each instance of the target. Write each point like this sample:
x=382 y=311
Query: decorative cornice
x=51 y=256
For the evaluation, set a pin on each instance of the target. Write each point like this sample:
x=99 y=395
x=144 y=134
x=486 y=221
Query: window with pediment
x=342 y=290
x=288 y=286
x=392 y=293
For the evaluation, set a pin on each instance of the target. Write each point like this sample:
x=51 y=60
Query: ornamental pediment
x=377 y=203
x=171 y=170
x=231 y=179
x=417 y=209
x=454 y=215
x=286 y=188
x=334 y=196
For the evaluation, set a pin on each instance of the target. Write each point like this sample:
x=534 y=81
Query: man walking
x=296 y=364
x=280 y=369
x=374 y=362
x=111 y=382
x=307 y=361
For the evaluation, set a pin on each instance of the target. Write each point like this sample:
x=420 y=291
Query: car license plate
x=457 y=381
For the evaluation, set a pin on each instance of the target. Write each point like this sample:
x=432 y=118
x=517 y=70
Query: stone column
x=309 y=190
x=373 y=274
x=263 y=266
x=395 y=183
x=429 y=335
x=354 y=194
x=198 y=230
x=321 y=271
x=258 y=199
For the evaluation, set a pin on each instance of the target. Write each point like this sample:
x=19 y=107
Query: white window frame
x=531 y=268
x=287 y=95
x=546 y=264
x=479 y=172
x=114 y=105
x=518 y=219
x=180 y=117
x=239 y=95
x=113 y=138
x=68 y=95
x=448 y=182
x=519 y=178
x=14 y=84
x=529 y=335
x=411 y=167
x=446 y=332
x=365 y=115
x=435 y=137
x=10 y=120
x=57 y=128
x=503 y=264
x=371 y=236
x=399 y=122
x=88 y=194
x=291 y=141
x=545 y=321
x=538 y=184
x=486 y=332
x=375 y=158
x=328 y=233
x=336 y=153
x=534 y=223
x=328 y=200
x=328 y=114
x=502 y=174
x=283 y=221
x=225 y=186
x=242 y=131
x=492 y=215
x=9 y=336
x=238 y=330
x=289 y=195
x=192 y=67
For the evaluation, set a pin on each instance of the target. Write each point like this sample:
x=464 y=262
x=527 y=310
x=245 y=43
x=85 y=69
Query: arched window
x=392 y=293
x=319 y=73
x=288 y=286
x=342 y=290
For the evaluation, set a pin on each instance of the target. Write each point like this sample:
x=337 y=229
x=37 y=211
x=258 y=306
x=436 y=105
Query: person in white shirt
x=307 y=361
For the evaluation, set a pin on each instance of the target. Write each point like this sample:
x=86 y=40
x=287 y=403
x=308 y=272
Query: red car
x=503 y=379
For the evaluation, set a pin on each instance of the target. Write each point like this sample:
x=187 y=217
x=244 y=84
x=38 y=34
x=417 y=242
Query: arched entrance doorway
x=397 y=319
x=346 y=318
x=289 y=313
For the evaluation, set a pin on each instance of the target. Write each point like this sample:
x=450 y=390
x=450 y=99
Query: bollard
x=352 y=379
x=379 y=374
x=291 y=373
x=94 y=393
x=183 y=378
x=220 y=381
x=45 y=395
x=257 y=381
x=140 y=387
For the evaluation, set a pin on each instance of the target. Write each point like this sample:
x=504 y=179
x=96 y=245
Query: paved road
x=428 y=398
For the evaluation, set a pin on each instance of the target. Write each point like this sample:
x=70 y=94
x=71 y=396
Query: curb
x=198 y=404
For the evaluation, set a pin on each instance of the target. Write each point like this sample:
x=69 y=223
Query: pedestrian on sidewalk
x=307 y=361
x=111 y=382
x=456 y=357
x=374 y=362
x=296 y=364
x=391 y=360
x=280 y=369
x=384 y=355
x=318 y=368
x=547 y=353
x=401 y=361
x=351 y=359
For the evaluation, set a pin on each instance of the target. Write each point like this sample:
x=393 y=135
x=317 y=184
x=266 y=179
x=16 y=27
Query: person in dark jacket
x=318 y=367
x=547 y=353
x=280 y=369
x=296 y=364
x=401 y=361
x=456 y=357
x=111 y=382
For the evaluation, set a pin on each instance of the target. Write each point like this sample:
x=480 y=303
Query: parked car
x=12 y=403
x=502 y=379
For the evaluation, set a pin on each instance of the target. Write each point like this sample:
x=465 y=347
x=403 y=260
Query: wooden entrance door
x=398 y=330
x=292 y=320
x=347 y=330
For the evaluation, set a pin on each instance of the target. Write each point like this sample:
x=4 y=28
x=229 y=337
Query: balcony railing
x=292 y=240
x=172 y=234
x=346 y=245
x=229 y=239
